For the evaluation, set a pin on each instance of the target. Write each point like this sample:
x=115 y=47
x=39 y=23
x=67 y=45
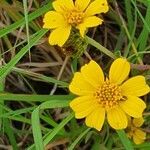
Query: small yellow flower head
x=67 y=14
x=113 y=97
x=134 y=131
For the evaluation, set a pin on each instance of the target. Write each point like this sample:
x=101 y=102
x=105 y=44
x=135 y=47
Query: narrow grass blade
x=143 y=38
x=10 y=133
x=16 y=112
x=72 y=146
x=36 y=128
x=34 y=98
x=21 y=22
x=129 y=13
x=143 y=20
x=5 y=122
x=124 y=139
x=143 y=145
x=100 y=47
x=7 y=68
x=26 y=21
x=40 y=77
x=57 y=129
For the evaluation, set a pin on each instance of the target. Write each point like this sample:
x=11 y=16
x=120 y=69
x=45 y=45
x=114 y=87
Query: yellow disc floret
x=74 y=17
x=108 y=95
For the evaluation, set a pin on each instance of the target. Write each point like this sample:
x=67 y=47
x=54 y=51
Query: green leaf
x=36 y=127
x=52 y=134
x=124 y=139
x=33 y=98
x=72 y=146
x=21 y=22
x=100 y=47
x=37 y=134
x=140 y=15
x=143 y=145
x=40 y=77
x=8 y=67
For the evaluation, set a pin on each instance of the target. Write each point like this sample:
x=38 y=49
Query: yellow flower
x=134 y=132
x=68 y=14
x=112 y=96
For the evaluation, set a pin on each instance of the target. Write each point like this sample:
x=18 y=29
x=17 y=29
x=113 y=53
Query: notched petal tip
x=80 y=86
x=133 y=106
x=96 y=118
x=93 y=74
x=138 y=122
x=135 y=86
x=56 y=39
x=119 y=70
x=97 y=7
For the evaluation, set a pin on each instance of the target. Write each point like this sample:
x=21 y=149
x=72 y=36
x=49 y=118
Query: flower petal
x=96 y=118
x=82 y=29
x=89 y=22
x=97 y=7
x=92 y=21
x=83 y=105
x=80 y=86
x=53 y=19
x=59 y=35
x=119 y=70
x=93 y=74
x=82 y=4
x=139 y=136
x=135 y=86
x=133 y=106
x=138 y=122
x=63 y=5
x=117 y=118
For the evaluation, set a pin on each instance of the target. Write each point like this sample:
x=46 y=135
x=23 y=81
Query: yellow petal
x=137 y=140
x=97 y=7
x=96 y=118
x=82 y=29
x=139 y=136
x=59 y=35
x=93 y=74
x=83 y=105
x=119 y=70
x=63 y=5
x=53 y=19
x=80 y=86
x=88 y=22
x=82 y=4
x=135 y=86
x=117 y=118
x=133 y=106
x=138 y=122
x=92 y=21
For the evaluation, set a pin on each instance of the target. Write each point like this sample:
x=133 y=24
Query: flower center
x=108 y=95
x=74 y=17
